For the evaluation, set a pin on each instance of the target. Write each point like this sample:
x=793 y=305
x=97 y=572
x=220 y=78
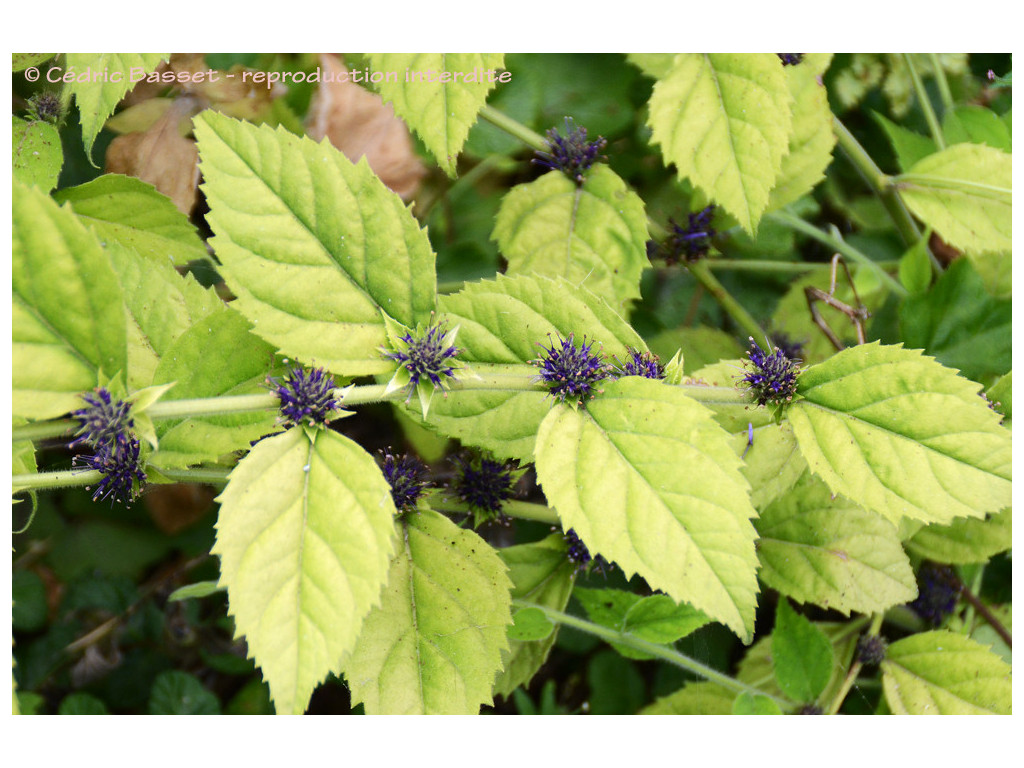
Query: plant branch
x=700 y=270
x=925 y=102
x=882 y=186
x=523 y=510
x=940 y=79
x=851 y=675
x=990 y=618
x=839 y=245
x=514 y=128
x=663 y=652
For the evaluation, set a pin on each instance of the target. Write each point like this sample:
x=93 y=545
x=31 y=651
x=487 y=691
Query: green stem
x=523 y=510
x=700 y=270
x=662 y=652
x=925 y=102
x=988 y=191
x=851 y=675
x=940 y=79
x=784 y=267
x=43 y=430
x=514 y=128
x=840 y=245
x=68 y=478
x=204 y=475
x=881 y=184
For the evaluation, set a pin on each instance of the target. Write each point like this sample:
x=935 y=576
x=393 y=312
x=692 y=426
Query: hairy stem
x=665 y=653
x=780 y=267
x=700 y=270
x=940 y=79
x=523 y=510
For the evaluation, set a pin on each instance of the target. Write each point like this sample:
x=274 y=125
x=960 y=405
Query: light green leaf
x=965 y=540
x=897 y=433
x=908 y=146
x=831 y=552
x=441 y=113
x=502 y=322
x=655 y=618
x=701 y=698
x=773 y=463
x=801 y=655
x=593 y=234
x=126 y=210
x=68 y=311
x=964 y=193
x=216 y=356
x=160 y=305
x=646 y=478
x=944 y=673
x=530 y=624
x=725 y=120
x=541 y=574
x=973 y=123
x=97 y=98
x=435 y=643
x=915 y=268
x=21 y=61
x=1001 y=394
x=37 y=153
x=197 y=590
x=812 y=141
x=304 y=535
x=757 y=667
x=655 y=65
x=748 y=703
x=312 y=245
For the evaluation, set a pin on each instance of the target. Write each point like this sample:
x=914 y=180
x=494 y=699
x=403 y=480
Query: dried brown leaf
x=161 y=156
x=358 y=123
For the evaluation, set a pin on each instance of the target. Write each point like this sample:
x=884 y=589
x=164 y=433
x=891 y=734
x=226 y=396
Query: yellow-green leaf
x=435 y=643
x=304 y=535
x=724 y=120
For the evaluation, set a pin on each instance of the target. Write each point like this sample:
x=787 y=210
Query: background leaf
x=801 y=655
x=179 y=693
x=68 y=310
x=724 y=120
x=240 y=366
x=440 y=113
x=96 y=99
x=129 y=211
x=896 y=432
x=812 y=140
x=435 y=643
x=961 y=324
x=541 y=574
x=647 y=479
x=963 y=193
x=593 y=234
x=944 y=673
x=964 y=540
x=832 y=553
x=304 y=536
x=313 y=246
x=37 y=153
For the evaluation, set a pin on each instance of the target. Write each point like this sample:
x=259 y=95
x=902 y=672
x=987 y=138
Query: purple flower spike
x=771 y=377
x=406 y=476
x=103 y=421
x=571 y=154
x=306 y=395
x=121 y=468
x=570 y=371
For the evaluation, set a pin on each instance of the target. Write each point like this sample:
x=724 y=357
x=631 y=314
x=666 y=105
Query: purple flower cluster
x=106 y=425
x=570 y=371
x=690 y=242
x=871 y=650
x=579 y=555
x=425 y=356
x=46 y=106
x=571 y=154
x=306 y=395
x=771 y=377
x=406 y=476
x=938 y=592
x=790 y=59
x=484 y=485
x=644 y=364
